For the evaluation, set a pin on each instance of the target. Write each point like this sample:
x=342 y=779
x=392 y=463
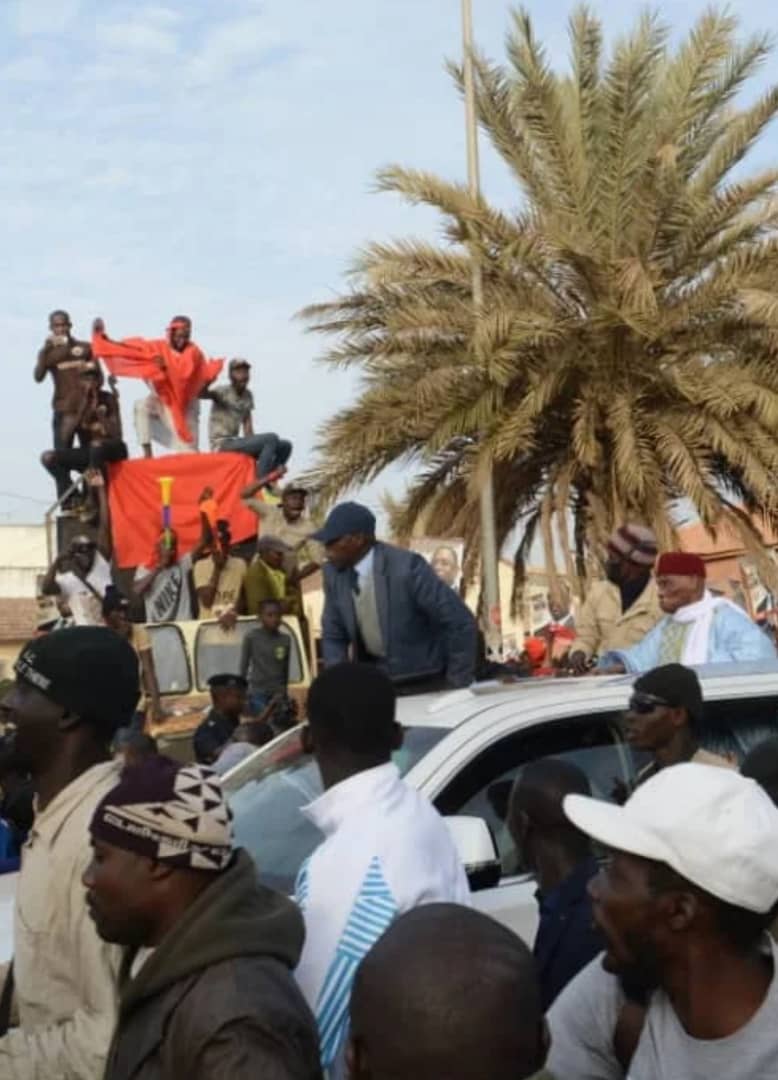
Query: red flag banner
x=135 y=499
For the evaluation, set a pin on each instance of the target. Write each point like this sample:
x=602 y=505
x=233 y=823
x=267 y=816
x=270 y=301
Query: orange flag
x=186 y=372
x=136 y=508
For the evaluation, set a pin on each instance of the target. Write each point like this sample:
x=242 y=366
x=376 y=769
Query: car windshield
x=267 y=792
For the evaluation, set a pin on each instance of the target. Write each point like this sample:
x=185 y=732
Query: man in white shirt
x=165 y=587
x=81 y=576
x=74 y=689
x=698 y=627
x=684 y=904
x=386 y=849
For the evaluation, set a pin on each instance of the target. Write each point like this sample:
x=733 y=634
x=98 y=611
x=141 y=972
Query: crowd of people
x=146 y=946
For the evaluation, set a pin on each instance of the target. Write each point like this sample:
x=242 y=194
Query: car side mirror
x=477 y=850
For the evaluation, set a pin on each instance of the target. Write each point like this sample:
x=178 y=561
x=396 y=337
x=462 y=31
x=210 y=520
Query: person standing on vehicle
x=447 y=994
x=664 y=718
x=386 y=849
x=231 y=411
x=385 y=605
x=698 y=627
x=176 y=372
x=99 y=431
x=206 y=981
x=73 y=690
x=562 y=861
x=619 y=611
x=81 y=577
x=64 y=358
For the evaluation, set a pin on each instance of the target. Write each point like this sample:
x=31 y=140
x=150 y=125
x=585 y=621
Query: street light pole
x=489 y=564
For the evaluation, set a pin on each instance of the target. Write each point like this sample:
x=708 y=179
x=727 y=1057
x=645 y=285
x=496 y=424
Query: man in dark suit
x=385 y=605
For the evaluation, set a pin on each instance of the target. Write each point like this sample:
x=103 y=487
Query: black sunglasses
x=646 y=703
x=84 y=549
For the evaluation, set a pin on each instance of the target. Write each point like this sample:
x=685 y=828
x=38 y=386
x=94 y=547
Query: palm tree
x=626 y=354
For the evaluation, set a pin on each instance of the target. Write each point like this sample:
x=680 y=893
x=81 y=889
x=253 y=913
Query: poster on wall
x=444 y=556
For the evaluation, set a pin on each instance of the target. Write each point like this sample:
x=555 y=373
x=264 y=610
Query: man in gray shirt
x=684 y=904
x=231 y=412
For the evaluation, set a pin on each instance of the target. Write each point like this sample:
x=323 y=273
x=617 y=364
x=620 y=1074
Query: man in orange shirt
x=175 y=370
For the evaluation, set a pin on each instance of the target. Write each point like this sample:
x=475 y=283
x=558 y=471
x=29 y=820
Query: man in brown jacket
x=207 y=987
x=619 y=611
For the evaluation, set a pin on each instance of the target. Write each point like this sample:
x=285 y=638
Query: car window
x=733 y=726
x=267 y=792
x=170 y=660
x=483 y=787
x=217 y=651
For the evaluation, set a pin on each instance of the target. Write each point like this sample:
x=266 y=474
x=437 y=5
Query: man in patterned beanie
x=620 y=610
x=207 y=985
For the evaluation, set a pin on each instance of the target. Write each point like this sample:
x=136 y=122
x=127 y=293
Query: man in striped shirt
x=386 y=849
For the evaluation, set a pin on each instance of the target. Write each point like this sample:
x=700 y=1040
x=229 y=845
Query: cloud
x=232 y=45
x=136 y=36
x=45 y=16
x=27 y=69
x=161 y=16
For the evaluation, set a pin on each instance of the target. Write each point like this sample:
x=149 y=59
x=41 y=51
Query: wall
x=22 y=559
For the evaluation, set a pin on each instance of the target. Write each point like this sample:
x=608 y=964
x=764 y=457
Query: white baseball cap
x=713 y=826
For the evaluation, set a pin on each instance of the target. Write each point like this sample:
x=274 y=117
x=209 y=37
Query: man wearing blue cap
x=385 y=605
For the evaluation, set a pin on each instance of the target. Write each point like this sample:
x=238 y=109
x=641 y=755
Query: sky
x=216 y=158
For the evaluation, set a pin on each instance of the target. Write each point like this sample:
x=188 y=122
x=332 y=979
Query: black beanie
x=677 y=685
x=89 y=670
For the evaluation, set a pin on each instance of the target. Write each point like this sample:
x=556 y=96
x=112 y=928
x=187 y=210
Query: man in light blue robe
x=698 y=627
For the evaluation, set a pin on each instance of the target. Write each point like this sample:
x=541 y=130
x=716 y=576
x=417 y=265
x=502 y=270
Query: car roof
x=450 y=709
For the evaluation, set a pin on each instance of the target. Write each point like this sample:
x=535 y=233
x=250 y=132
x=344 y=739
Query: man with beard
x=73 y=690
x=684 y=903
x=621 y=610
x=176 y=371
x=82 y=575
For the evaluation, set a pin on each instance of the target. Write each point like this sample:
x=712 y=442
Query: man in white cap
x=619 y=611
x=684 y=904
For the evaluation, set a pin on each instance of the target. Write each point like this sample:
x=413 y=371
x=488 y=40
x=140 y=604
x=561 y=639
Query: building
x=23 y=559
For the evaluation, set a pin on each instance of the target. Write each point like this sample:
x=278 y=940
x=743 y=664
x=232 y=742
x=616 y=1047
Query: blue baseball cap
x=343 y=520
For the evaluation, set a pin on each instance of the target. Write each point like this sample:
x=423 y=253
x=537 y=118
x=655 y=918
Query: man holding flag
x=175 y=370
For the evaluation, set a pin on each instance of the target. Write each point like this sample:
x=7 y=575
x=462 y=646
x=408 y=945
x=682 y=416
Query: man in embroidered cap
x=619 y=611
x=698 y=627
x=206 y=982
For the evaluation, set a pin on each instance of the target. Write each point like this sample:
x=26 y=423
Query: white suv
x=465 y=749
